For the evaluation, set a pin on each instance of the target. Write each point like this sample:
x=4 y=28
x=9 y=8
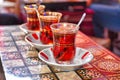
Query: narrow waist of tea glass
x=32 y=19
x=58 y=44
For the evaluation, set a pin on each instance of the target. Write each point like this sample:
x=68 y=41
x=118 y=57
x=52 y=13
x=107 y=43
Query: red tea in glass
x=46 y=20
x=64 y=41
x=32 y=16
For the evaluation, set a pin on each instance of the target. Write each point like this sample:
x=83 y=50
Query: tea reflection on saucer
x=24 y=28
x=82 y=57
x=34 y=40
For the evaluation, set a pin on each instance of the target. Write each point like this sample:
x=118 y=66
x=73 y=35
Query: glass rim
x=52 y=13
x=55 y=26
x=63 y=23
x=28 y=6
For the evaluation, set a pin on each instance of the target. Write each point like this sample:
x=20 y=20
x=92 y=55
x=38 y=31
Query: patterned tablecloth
x=18 y=65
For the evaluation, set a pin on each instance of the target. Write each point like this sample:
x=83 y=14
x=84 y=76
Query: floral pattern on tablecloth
x=20 y=60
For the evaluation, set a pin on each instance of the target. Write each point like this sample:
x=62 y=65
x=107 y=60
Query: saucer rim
x=65 y=65
x=24 y=29
x=38 y=44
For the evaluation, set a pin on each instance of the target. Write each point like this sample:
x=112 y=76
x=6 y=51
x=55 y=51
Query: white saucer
x=24 y=28
x=82 y=57
x=34 y=40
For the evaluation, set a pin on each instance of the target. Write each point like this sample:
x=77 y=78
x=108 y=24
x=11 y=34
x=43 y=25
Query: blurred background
x=101 y=24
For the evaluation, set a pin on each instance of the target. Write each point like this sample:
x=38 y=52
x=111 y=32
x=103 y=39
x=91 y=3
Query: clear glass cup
x=32 y=16
x=46 y=19
x=64 y=42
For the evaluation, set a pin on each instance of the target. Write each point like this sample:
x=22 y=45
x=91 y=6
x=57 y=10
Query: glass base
x=64 y=62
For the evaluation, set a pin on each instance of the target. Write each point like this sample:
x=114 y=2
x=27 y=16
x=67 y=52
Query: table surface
x=18 y=65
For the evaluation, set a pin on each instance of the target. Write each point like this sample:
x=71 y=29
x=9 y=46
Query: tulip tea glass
x=64 y=35
x=46 y=19
x=32 y=16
